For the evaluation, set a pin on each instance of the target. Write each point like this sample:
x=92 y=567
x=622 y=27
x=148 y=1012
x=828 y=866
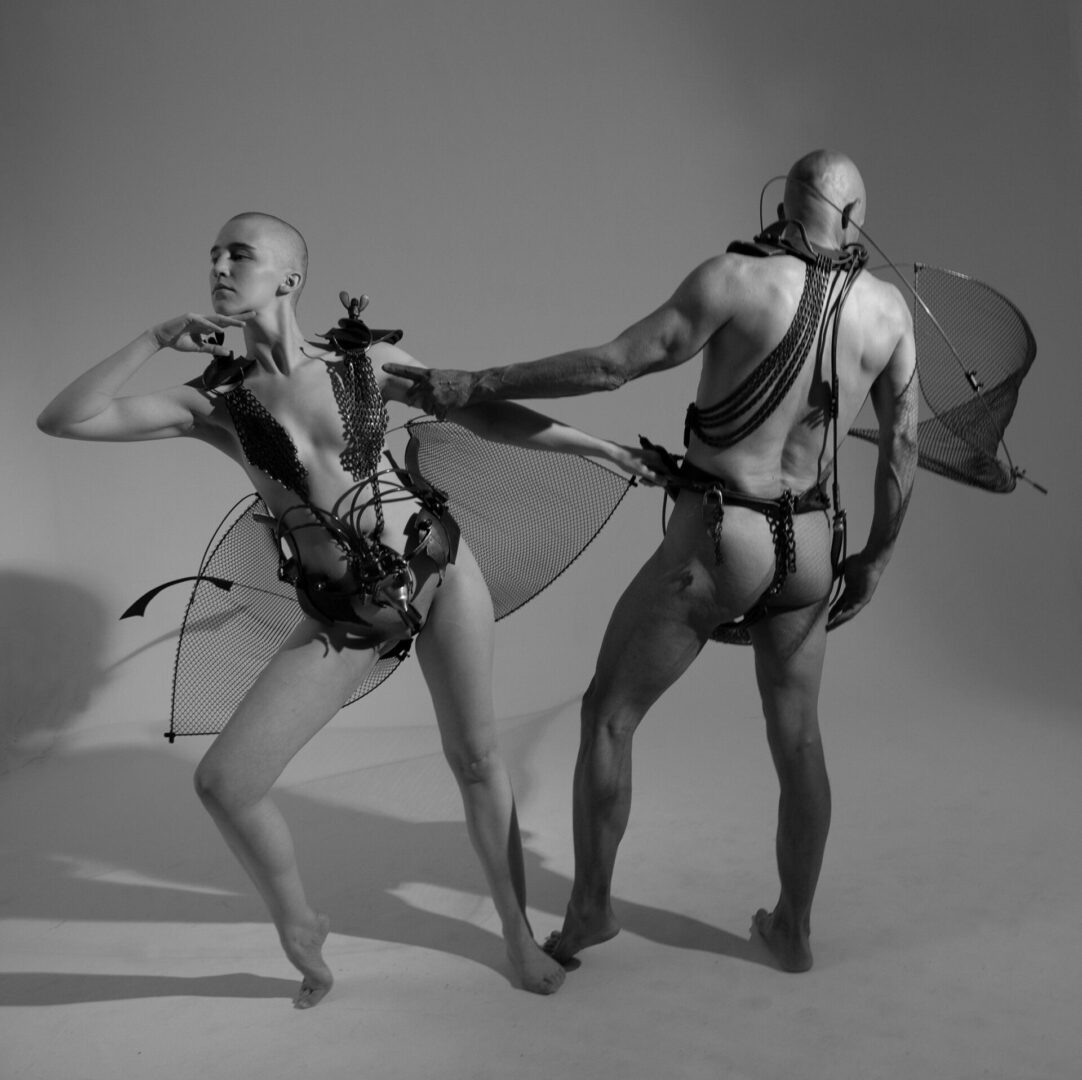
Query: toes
x=552 y=947
x=309 y=996
x=549 y=983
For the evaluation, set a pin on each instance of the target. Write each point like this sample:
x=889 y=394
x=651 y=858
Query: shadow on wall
x=52 y=634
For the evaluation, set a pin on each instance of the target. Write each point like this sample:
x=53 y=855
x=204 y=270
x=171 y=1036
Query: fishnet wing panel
x=990 y=335
x=525 y=514
x=943 y=450
x=228 y=637
x=962 y=437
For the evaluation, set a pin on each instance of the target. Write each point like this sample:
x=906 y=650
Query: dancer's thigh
x=656 y=630
x=455 y=651
x=298 y=692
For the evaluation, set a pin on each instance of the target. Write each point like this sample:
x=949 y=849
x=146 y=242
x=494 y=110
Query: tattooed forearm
x=895 y=472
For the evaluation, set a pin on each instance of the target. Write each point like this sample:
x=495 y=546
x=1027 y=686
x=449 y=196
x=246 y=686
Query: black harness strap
x=828 y=280
x=776 y=239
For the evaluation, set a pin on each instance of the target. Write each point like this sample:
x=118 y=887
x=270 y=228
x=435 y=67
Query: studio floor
x=946 y=931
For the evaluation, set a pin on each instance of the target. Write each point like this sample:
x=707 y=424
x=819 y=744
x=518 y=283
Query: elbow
x=50 y=425
x=898 y=445
x=909 y=448
x=610 y=372
x=901 y=461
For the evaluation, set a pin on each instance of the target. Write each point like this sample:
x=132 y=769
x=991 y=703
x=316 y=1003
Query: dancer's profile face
x=245 y=268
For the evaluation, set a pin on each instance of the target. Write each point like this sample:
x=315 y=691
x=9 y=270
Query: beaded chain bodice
x=363 y=412
x=268 y=446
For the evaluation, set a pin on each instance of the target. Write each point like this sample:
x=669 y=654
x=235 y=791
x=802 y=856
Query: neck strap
x=773 y=241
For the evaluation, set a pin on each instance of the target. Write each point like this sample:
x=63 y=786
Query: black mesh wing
x=974 y=348
x=526 y=515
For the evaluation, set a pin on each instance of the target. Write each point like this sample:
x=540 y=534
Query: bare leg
x=455 y=650
x=299 y=691
x=789 y=663
x=659 y=626
x=656 y=630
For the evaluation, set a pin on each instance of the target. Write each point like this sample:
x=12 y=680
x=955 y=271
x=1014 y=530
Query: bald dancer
x=749 y=548
x=373 y=567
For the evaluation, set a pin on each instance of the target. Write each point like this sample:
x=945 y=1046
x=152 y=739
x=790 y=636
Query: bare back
x=793 y=447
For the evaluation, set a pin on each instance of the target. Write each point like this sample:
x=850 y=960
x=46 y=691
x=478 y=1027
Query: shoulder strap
x=772 y=241
x=224 y=373
x=753 y=248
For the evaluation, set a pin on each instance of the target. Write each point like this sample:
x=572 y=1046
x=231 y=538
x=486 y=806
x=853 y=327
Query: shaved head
x=287 y=244
x=820 y=186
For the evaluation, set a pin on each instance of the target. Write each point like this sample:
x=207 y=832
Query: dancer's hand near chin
x=94 y=407
x=196 y=333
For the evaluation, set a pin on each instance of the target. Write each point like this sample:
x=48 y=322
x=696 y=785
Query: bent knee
x=795 y=733
x=209 y=782
x=603 y=717
x=217 y=788
x=802 y=740
x=474 y=767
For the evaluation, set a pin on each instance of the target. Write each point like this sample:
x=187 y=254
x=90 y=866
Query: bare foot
x=789 y=947
x=578 y=934
x=304 y=947
x=535 y=971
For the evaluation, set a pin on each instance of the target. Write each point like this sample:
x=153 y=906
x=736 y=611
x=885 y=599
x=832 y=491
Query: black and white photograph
x=541 y=540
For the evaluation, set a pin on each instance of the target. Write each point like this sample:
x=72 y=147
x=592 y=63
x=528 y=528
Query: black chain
x=364 y=421
x=762 y=391
x=784 y=534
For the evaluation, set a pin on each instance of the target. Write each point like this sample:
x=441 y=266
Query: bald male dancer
x=376 y=562
x=794 y=337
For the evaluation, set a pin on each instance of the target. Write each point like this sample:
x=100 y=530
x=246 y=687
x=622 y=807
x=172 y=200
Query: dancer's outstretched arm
x=667 y=337
x=507 y=422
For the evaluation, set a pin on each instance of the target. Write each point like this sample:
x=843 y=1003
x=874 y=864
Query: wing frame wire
x=195 y=708
x=237 y=579
x=1009 y=474
x=954 y=421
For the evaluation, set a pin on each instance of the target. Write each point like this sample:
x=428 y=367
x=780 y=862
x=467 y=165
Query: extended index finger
x=405 y=371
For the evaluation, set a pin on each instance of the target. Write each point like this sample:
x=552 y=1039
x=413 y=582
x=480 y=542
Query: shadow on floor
x=112 y=835
x=65 y=988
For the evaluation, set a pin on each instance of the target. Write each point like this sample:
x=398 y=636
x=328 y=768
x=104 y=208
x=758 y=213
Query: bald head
x=283 y=240
x=819 y=187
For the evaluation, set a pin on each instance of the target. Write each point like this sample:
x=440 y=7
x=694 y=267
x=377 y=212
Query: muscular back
x=755 y=300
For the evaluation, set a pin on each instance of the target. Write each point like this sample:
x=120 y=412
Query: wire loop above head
x=978 y=390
